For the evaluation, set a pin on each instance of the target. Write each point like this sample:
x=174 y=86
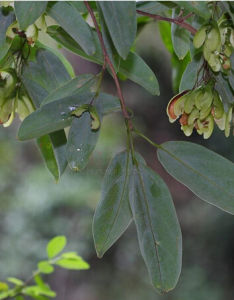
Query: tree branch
x=180 y=21
x=108 y=61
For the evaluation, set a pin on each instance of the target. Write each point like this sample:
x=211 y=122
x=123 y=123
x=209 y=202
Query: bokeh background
x=34 y=209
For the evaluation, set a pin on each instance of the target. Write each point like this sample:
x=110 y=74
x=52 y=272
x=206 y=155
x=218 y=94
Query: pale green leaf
x=45 y=267
x=56 y=245
x=73 y=263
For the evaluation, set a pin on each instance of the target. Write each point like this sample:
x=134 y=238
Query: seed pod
x=218 y=109
x=214 y=62
x=31 y=34
x=200 y=37
x=226 y=65
x=10 y=120
x=187 y=129
x=221 y=122
x=175 y=106
x=232 y=38
x=213 y=40
x=24 y=107
x=6 y=109
x=205 y=100
x=193 y=116
x=190 y=101
x=228 y=122
x=228 y=50
x=204 y=113
x=209 y=127
x=8 y=80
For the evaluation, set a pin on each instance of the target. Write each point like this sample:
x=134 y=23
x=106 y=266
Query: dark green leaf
x=27 y=12
x=157 y=226
x=113 y=215
x=81 y=142
x=79 y=5
x=44 y=76
x=153 y=7
x=60 y=55
x=69 y=88
x=138 y=71
x=180 y=37
x=120 y=18
x=52 y=148
x=56 y=245
x=134 y=68
x=207 y=174
x=115 y=58
x=5 y=21
x=57 y=114
x=190 y=75
x=200 y=8
x=223 y=87
x=72 y=22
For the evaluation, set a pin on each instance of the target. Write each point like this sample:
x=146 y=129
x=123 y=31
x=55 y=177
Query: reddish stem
x=180 y=21
x=108 y=61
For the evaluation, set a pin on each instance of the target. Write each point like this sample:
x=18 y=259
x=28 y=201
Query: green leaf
x=72 y=22
x=153 y=7
x=5 y=21
x=178 y=68
x=16 y=281
x=113 y=215
x=223 y=87
x=19 y=298
x=138 y=71
x=157 y=227
x=190 y=75
x=57 y=114
x=56 y=245
x=207 y=174
x=45 y=267
x=35 y=291
x=200 y=8
x=112 y=53
x=3 y=286
x=81 y=142
x=73 y=263
x=52 y=148
x=69 y=88
x=133 y=67
x=44 y=75
x=122 y=29
x=60 y=55
x=27 y=12
x=180 y=37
